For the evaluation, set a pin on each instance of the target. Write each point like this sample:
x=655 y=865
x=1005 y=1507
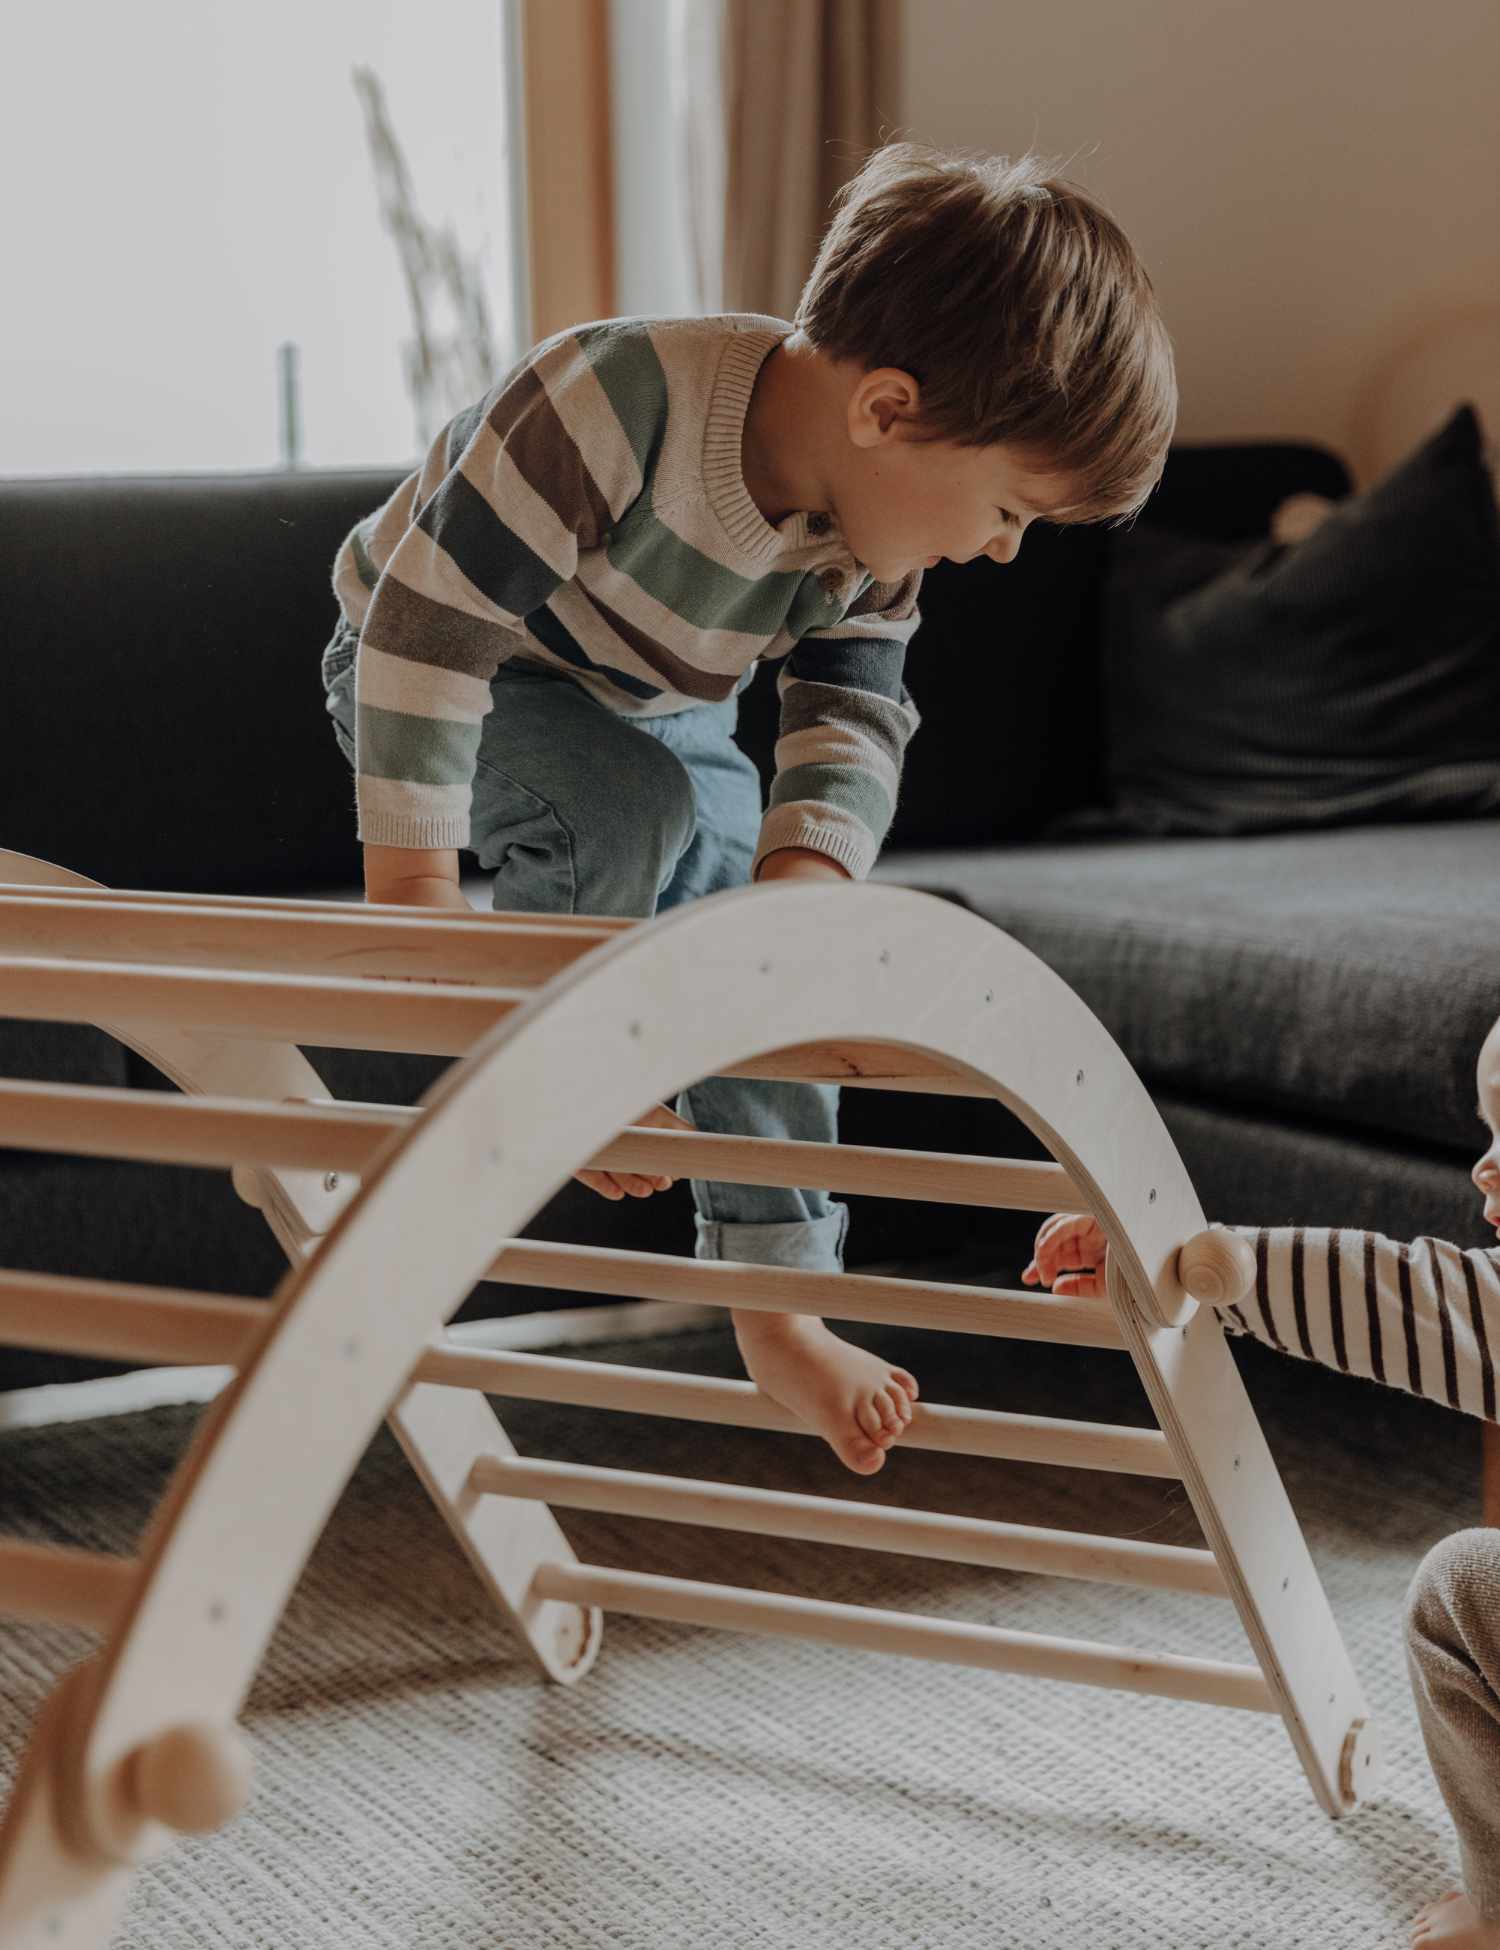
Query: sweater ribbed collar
x=745 y=352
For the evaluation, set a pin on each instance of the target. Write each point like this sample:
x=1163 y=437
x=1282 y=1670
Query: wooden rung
x=93 y=1120
x=950 y=1178
x=830 y=1520
x=100 y=1121
x=63 y=1586
x=741 y=1405
x=115 y=1320
x=1210 y=1681
x=432 y=946
x=870 y=1066
x=430 y=1018
x=292 y=904
x=1004 y=1313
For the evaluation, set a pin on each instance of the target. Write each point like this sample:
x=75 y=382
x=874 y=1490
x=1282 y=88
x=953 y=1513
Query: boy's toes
x=863 y=1457
x=908 y=1382
x=887 y=1405
x=869 y=1418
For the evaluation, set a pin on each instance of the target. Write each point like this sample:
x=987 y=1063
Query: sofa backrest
x=162 y=722
x=163 y=717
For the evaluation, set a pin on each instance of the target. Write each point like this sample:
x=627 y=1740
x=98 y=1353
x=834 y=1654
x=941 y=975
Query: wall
x=1314 y=185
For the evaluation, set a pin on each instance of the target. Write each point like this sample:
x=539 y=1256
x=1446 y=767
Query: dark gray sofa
x=1305 y=1007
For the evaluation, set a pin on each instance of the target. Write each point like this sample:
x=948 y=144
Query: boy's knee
x=659 y=791
x=1455 y=1591
x=630 y=818
x=635 y=798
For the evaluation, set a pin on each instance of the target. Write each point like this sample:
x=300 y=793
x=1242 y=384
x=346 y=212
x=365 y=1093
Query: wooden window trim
x=569 y=200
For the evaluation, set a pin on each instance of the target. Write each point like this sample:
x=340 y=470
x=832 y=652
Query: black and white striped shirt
x=1424 y=1317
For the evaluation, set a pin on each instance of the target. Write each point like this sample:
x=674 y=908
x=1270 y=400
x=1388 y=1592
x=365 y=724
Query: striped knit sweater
x=591 y=514
x=1424 y=1317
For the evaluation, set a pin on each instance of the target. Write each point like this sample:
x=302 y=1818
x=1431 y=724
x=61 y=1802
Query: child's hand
x=799 y=863
x=1069 y=1256
x=622 y=1184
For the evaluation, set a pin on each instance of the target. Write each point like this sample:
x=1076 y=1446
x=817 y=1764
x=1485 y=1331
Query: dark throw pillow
x=1352 y=676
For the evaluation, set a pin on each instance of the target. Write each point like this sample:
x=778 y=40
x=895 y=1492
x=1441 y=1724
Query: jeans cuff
x=814 y=1245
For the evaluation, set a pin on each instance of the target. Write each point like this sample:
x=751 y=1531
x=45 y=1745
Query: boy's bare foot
x=1453 y=1923
x=858 y=1403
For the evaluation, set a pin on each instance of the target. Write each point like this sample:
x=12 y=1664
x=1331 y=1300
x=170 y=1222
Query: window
x=199 y=272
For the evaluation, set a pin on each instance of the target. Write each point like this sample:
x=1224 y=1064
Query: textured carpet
x=418 y=1789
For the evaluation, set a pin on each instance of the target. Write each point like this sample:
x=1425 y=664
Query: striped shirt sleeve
x=846 y=720
x=1424 y=1316
x=510 y=493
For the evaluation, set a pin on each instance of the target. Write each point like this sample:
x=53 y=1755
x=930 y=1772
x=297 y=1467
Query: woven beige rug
x=418 y=1789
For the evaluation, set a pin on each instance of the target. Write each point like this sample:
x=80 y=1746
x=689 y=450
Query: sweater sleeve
x=510 y=492
x=846 y=719
x=1424 y=1317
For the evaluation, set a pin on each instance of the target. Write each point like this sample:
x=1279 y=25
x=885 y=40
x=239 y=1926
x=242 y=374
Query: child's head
x=1486 y=1173
x=1004 y=350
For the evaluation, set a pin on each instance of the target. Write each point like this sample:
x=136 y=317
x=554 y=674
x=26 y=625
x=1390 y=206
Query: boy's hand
x=412 y=876
x=623 y=1184
x=800 y=863
x=1069 y=1256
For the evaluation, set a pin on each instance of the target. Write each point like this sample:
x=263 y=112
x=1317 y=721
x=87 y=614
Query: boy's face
x=906 y=504
x=1486 y=1173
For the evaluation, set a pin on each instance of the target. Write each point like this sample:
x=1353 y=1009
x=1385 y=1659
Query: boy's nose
x=1486 y=1171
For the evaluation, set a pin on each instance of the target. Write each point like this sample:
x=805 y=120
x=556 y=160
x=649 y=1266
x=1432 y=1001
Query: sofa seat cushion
x=1346 y=976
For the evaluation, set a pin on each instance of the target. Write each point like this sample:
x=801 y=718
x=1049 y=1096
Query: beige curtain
x=781 y=102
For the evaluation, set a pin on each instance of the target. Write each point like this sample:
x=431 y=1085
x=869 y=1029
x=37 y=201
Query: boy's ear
x=880 y=402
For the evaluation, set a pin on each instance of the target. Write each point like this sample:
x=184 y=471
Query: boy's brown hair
x=1017 y=304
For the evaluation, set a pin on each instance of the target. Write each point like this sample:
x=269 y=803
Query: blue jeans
x=579 y=811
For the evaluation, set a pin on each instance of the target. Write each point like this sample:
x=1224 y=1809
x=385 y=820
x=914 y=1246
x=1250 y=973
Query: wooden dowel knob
x=192 y=1778
x=1217 y=1268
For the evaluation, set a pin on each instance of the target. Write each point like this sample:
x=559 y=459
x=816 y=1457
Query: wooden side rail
x=830 y=1520
x=684 y=1602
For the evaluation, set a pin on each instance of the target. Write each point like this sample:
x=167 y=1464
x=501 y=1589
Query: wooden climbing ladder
x=566 y=1030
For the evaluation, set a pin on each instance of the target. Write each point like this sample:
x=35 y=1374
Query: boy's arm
x=1423 y=1316
x=511 y=491
x=846 y=718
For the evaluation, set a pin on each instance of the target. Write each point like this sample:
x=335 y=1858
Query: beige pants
x=1453 y=1653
